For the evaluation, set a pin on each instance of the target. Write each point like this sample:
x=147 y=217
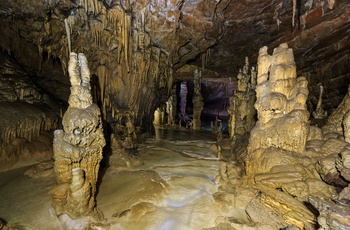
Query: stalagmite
x=319 y=113
x=241 y=108
x=78 y=147
x=171 y=107
x=232 y=122
x=281 y=106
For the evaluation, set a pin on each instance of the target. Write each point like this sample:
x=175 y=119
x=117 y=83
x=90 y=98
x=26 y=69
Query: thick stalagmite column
x=183 y=98
x=281 y=106
x=78 y=147
x=197 y=101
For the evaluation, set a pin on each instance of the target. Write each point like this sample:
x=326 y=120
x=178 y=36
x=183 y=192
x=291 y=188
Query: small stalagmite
x=78 y=147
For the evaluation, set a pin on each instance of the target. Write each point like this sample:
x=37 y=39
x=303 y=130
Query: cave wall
x=28 y=116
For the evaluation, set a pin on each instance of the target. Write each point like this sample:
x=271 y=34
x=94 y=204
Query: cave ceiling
x=152 y=39
x=221 y=31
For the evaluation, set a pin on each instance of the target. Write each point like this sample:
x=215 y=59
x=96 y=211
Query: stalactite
x=142 y=29
x=41 y=50
x=207 y=57
x=96 y=7
x=71 y=22
x=331 y=4
x=68 y=34
x=156 y=75
x=203 y=60
x=47 y=26
x=294 y=11
x=277 y=10
x=127 y=24
x=170 y=78
x=85 y=5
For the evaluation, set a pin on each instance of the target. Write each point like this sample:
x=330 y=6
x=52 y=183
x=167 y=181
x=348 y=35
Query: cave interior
x=175 y=114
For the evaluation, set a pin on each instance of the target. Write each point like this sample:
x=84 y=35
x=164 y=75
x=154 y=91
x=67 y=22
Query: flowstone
x=78 y=147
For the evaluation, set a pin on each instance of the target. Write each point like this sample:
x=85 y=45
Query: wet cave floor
x=172 y=187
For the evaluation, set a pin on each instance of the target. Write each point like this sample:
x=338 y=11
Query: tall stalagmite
x=281 y=106
x=78 y=147
x=197 y=101
x=241 y=109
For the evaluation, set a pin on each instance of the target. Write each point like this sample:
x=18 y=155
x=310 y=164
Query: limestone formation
x=158 y=117
x=78 y=147
x=232 y=121
x=338 y=116
x=281 y=106
x=197 y=101
x=27 y=117
x=241 y=108
x=171 y=107
x=319 y=113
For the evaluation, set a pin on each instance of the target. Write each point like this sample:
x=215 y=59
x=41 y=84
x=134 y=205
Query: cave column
x=197 y=101
x=183 y=98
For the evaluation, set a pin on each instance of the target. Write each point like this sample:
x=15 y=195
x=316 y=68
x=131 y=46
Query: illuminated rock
x=78 y=147
x=281 y=106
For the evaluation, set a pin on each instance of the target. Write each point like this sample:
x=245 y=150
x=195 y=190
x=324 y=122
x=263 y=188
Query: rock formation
x=171 y=107
x=277 y=159
x=334 y=213
x=281 y=106
x=28 y=115
x=197 y=101
x=334 y=124
x=241 y=108
x=78 y=147
x=159 y=117
x=319 y=113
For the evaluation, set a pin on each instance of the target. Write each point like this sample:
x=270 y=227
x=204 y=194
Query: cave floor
x=171 y=188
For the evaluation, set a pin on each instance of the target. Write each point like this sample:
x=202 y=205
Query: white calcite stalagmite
x=78 y=147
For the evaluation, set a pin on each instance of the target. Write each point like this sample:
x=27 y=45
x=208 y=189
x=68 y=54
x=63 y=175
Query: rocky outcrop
x=78 y=147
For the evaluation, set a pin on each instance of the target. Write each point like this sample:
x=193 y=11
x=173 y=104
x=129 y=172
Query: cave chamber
x=182 y=114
